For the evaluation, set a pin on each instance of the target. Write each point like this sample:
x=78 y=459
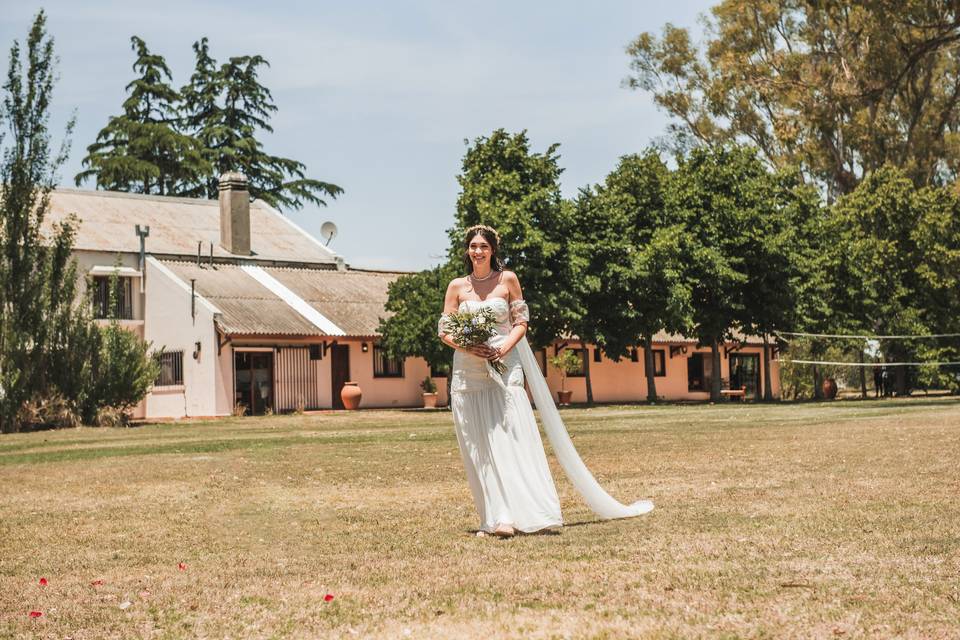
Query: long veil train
x=601 y=502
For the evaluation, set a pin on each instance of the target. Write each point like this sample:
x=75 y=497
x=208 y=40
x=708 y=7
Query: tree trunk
x=767 y=390
x=715 y=368
x=586 y=373
x=817 y=384
x=900 y=380
x=649 y=369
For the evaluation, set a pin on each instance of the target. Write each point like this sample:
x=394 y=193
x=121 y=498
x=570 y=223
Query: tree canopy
x=517 y=192
x=143 y=150
x=226 y=108
x=172 y=142
x=838 y=88
x=630 y=261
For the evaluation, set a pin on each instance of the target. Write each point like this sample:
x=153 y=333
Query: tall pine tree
x=225 y=108
x=142 y=150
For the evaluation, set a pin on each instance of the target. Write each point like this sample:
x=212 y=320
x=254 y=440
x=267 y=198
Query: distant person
x=885 y=382
x=877 y=381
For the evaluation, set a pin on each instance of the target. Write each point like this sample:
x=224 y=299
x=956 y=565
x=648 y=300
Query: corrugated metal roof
x=353 y=300
x=107 y=221
x=248 y=307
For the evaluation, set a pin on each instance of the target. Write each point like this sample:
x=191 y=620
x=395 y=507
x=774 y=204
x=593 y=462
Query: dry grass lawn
x=789 y=521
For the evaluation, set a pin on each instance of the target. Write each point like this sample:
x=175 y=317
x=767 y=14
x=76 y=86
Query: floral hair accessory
x=477 y=228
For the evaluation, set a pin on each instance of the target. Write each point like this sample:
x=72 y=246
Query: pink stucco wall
x=625 y=381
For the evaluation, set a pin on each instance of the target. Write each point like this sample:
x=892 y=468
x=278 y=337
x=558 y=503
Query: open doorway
x=253 y=381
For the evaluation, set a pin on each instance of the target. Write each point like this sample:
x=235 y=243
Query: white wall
x=168 y=324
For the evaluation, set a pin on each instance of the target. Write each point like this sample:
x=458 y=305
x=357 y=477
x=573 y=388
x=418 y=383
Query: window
x=542 y=360
x=582 y=371
x=699 y=372
x=123 y=309
x=634 y=355
x=315 y=352
x=385 y=366
x=659 y=363
x=596 y=355
x=171 y=369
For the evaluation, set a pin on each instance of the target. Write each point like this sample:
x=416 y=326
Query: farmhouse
x=253 y=314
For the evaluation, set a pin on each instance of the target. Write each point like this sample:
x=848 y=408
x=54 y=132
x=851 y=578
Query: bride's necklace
x=486 y=277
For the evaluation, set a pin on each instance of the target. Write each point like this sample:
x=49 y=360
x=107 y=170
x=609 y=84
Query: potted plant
x=566 y=362
x=429 y=393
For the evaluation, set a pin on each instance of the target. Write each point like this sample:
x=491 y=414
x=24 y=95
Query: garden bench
x=727 y=392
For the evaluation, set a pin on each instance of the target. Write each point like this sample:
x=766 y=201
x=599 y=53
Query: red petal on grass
x=36 y=614
x=182 y=567
x=97 y=583
x=43 y=582
x=328 y=597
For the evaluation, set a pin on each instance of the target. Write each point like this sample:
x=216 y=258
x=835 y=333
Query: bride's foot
x=504 y=531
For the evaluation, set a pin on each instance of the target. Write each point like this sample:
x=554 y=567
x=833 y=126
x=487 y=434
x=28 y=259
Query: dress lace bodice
x=471 y=372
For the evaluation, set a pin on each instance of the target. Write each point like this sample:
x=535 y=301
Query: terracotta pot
x=829 y=388
x=351 y=394
x=429 y=401
x=563 y=397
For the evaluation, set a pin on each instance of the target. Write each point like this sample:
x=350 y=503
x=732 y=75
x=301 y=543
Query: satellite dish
x=328 y=230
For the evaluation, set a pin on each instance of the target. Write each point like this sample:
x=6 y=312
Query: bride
x=502 y=452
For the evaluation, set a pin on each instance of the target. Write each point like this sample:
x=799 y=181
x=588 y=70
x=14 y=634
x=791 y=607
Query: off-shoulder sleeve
x=442 y=326
x=519 y=312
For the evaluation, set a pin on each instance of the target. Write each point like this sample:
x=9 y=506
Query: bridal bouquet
x=473 y=328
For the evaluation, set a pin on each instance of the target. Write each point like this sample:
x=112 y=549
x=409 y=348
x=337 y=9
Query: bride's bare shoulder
x=510 y=279
x=456 y=283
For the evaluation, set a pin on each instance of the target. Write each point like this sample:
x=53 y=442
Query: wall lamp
x=364 y=347
x=196 y=350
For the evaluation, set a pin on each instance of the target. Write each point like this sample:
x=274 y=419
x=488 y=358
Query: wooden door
x=339 y=371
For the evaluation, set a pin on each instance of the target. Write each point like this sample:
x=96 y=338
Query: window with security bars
x=384 y=366
x=171 y=369
x=123 y=305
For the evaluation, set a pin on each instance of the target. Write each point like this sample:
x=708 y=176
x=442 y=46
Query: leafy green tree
x=32 y=290
x=721 y=194
x=893 y=259
x=142 y=150
x=772 y=252
x=414 y=305
x=630 y=262
x=226 y=108
x=839 y=87
x=517 y=192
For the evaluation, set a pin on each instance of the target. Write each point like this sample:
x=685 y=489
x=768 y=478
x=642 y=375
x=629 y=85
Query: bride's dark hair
x=493 y=239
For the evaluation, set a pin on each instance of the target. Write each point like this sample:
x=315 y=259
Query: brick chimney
x=234 y=213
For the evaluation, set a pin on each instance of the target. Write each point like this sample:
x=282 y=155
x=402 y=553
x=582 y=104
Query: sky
x=380 y=97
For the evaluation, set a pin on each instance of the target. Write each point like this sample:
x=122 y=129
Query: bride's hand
x=482 y=351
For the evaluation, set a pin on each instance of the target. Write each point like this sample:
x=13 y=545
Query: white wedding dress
x=499 y=440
